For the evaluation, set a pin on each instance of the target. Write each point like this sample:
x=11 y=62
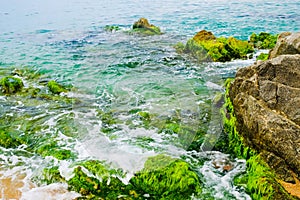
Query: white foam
x=55 y=191
x=216 y=179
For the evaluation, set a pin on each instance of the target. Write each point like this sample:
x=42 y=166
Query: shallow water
x=118 y=72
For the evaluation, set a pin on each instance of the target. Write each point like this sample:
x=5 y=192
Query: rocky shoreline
x=266 y=102
x=261 y=121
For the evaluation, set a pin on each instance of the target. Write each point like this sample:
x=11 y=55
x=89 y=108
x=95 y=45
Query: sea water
x=118 y=72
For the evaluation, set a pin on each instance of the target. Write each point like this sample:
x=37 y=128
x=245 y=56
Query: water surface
x=118 y=72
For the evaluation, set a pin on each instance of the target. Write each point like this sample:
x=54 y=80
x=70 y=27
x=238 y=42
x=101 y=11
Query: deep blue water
x=119 y=72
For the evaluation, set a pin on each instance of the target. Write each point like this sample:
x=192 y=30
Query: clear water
x=115 y=71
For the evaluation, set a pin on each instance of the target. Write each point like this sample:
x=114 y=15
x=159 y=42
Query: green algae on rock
x=263 y=40
x=164 y=177
x=142 y=26
x=263 y=56
x=93 y=179
x=53 y=149
x=55 y=87
x=112 y=28
x=52 y=175
x=204 y=46
x=287 y=43
x=8 y=140
x=11 y=85
x=260 y=181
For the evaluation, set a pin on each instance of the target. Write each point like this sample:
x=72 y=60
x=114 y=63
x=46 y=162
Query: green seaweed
x=112 y=28
x=147 y=31
x=263 y=40
x=52 y=175
x=164 y=177
x=55 y=87
x=263 y=56
x=109 y=121
x=259 y=180
x=27 y=72
x=204 y=46
x=100 y=182
x=8 y=140
x=143 y=27
x=53 y=149
x=230 y=141
x=11 y=84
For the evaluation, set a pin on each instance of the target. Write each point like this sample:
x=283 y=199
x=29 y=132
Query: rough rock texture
x=204 y=46
x=266 y=99
x=287 y=43
x=144 y=27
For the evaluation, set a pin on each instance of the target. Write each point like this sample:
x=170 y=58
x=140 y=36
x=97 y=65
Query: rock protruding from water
x=144 y=27
x=205 y=46
x=263 y=40
x=287 y=43
x=11 y=84
x=266 y=100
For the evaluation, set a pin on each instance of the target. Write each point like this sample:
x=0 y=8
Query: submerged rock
x=164 y=177
x=266 y=101
x=144 y=27
x=11 y=84
x=204 y=46
x=112 y=28
x=55 y=87
x=288 y=43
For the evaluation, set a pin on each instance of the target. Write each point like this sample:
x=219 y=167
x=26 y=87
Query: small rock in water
x=144 y=27
x=225 y=165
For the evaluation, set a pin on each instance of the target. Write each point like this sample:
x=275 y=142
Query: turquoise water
x=118 y=72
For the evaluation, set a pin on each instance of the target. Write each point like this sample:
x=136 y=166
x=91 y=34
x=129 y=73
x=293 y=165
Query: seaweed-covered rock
x=112 y=28
x=144 y=27
x=288 y=43
x=263 y=56
x=204 y=46
x=8 y=140
x=260 y=180
x=55 y=87
x=11 y=84
x=94 y=180
x=164 y=177
x=52 y=175
x=53 y=149
x=263 y=40
x=266 y=101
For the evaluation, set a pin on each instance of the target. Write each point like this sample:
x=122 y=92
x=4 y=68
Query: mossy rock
x=99 y=183
x=263 y=56
x=52 y=175
x=27 y=73
x=204 y=46
x=164 y=177
x=260 y=181
x=142 y=26
x=55 y=87
x=8 y=140
x=11 y=84
x=53 y=149
x=109 y=121
x=263 y=40
x=112 y=28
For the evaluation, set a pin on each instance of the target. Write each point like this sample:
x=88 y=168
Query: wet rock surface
x=266 y=99
x=287 y=43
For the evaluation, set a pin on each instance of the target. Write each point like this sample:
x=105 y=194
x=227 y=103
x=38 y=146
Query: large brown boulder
x=266 y=100
x=287 y=43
